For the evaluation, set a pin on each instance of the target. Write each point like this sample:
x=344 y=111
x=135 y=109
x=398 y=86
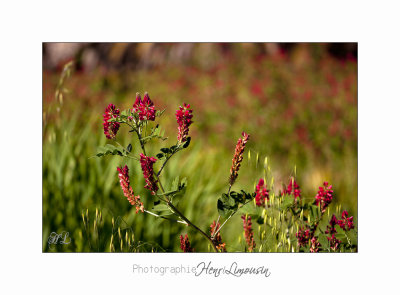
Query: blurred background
x=298 y=102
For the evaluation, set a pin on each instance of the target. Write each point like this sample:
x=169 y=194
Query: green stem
x=192 y=225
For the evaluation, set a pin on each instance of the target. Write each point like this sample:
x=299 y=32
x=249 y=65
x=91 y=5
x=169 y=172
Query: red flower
x=217 y=239
x=248 y=232
x=294 y=188
x=147 y=167
x=238 y=157
x=303 y=236
x=144 y=108
x=184 y=118
x=324 y=196
x=261 y=193
x=185 y=244
x=123 y=175
x=314 y=245
x=346 y=223
x=110 y=128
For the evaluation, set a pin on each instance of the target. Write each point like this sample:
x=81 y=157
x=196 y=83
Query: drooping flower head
x=185 y=244
x=346 y=223
x=217 y=240
x=248 y=232
x=184 y=118
x=147 y=167
x=303 y=236
x=261 y=193
x=293 y=188
x=110 y=128
x=123 y=174
x=324 y=196
x=144 y=108
x=315 y=245
x=238 y=157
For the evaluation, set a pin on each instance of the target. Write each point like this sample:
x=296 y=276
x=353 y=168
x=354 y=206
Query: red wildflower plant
x=144 y=108
x=303 y=236
x=248 y=232
x=293 y=188
x=148 y=172
x=315 y=245
x=123 y=174
x=324 y=196
x=110 y=128
x=184 y=119
x=261 y=193
x=346 y=223
x=217 y=240
x=238 y=157
x=185 y=244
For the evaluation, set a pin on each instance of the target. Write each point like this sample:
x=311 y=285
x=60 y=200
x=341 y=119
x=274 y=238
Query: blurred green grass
x=300 y=110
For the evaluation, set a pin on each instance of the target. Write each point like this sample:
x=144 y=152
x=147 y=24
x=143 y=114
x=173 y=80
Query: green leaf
x=175 y=184
x=109 y=149
x=287 y=202
x=323 y=241
x=160 y=156
x=165 y=150
x=187 y=142
x=226 y=206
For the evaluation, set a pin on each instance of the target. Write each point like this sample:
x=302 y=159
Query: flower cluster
x=303 y=236
x=144 y=108
x=314 y=245
x=261 y=193
x=324 y=196
x=248 y=232
x=123 y=175
x=333 y=242
x=147 y=167
x=294 y=188
x=330 y=229
x=110 y=128
x=184 y=119
x=217 y=240
x=238 y=157
x=346 y=223
x=185 y=244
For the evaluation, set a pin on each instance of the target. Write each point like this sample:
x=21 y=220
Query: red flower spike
x=217 y=239
x=110 y=128
x=261 y=193
x=324 y=196
x=147 y=167
x=238 y=157
x=185 y=244
x=293 y=188
x=144 y=108
x=346 y=223
x=248 y=232
x=184 y=119
x=303 y=236
x=123 y=175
